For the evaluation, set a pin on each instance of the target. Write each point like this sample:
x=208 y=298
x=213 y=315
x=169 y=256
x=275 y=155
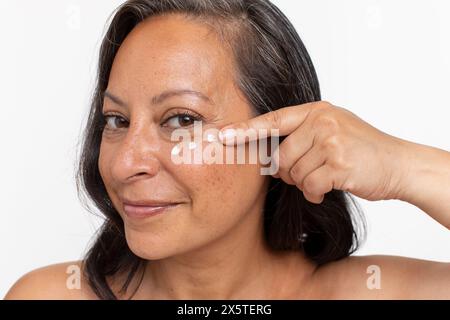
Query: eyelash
x=194 y=116
x=109 y=115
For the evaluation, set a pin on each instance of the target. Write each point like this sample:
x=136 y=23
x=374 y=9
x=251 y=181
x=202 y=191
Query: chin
x=148 y=247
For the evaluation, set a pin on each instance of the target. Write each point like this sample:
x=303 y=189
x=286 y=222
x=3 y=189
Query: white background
x=386 y=61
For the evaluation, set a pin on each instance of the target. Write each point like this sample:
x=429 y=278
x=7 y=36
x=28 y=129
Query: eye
x=182 y=119
x=115 y=122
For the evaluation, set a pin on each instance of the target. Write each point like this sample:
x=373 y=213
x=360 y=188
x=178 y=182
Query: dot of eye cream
x=211 y=138
x=192 y=145
x=176 y=150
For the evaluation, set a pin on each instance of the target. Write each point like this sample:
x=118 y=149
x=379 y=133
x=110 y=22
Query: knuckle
x=325 y=116
x=325 y=120
x=309 y=184
x=339 y=161
x=295 y=172
x=275 y=119
x=332 y=143
x=321 y=107
x=336 y=153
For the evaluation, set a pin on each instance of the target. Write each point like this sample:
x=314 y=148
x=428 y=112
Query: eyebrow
x=158 y=99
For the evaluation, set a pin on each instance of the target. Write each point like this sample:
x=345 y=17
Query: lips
x=146 y=208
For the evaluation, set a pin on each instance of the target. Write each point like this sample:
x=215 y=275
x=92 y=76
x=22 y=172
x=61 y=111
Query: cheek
x=220 y=193
x=221 y=196
x=107 y=156
x=104 y=161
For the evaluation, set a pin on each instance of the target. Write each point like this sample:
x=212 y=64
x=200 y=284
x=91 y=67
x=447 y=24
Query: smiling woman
x=187 y=51
x=210 y=230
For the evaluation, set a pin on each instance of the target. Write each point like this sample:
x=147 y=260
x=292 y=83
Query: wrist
x=425 y=181
x=424 y=168
x=413 y=169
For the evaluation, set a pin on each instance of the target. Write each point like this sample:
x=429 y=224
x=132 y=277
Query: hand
x=328 y=147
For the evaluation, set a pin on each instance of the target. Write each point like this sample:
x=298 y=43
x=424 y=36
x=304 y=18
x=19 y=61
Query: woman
x=225 y=231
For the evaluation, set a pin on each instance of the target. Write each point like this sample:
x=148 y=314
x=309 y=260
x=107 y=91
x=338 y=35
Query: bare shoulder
x=385 y=277
x=57 y=281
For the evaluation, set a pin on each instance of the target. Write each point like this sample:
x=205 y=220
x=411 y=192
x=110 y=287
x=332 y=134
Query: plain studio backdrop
x=386 y=61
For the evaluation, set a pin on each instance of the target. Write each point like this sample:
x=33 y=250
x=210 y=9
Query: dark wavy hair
x=273 y=70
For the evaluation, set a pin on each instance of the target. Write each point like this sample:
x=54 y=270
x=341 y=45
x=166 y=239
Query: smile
x=144 y=211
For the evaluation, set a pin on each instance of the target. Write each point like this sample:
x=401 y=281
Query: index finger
x=280 y=122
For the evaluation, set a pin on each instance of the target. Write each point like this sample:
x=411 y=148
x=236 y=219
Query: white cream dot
x=176 y=150
x=192 y=145
x=210 y=137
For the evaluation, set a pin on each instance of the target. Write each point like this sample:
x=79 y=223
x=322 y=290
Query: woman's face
x=164 y=54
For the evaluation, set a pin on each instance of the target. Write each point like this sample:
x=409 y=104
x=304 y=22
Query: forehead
x=171 y=51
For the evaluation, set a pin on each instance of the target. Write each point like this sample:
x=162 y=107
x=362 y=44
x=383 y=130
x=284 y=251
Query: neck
x=238 y=265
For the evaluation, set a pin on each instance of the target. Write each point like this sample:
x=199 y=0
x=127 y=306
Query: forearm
x=426 y=183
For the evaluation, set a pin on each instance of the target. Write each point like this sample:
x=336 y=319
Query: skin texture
x=212 y=245
x=220 y=212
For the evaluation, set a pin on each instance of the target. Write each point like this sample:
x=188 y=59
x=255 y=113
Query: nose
x=137 y=156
